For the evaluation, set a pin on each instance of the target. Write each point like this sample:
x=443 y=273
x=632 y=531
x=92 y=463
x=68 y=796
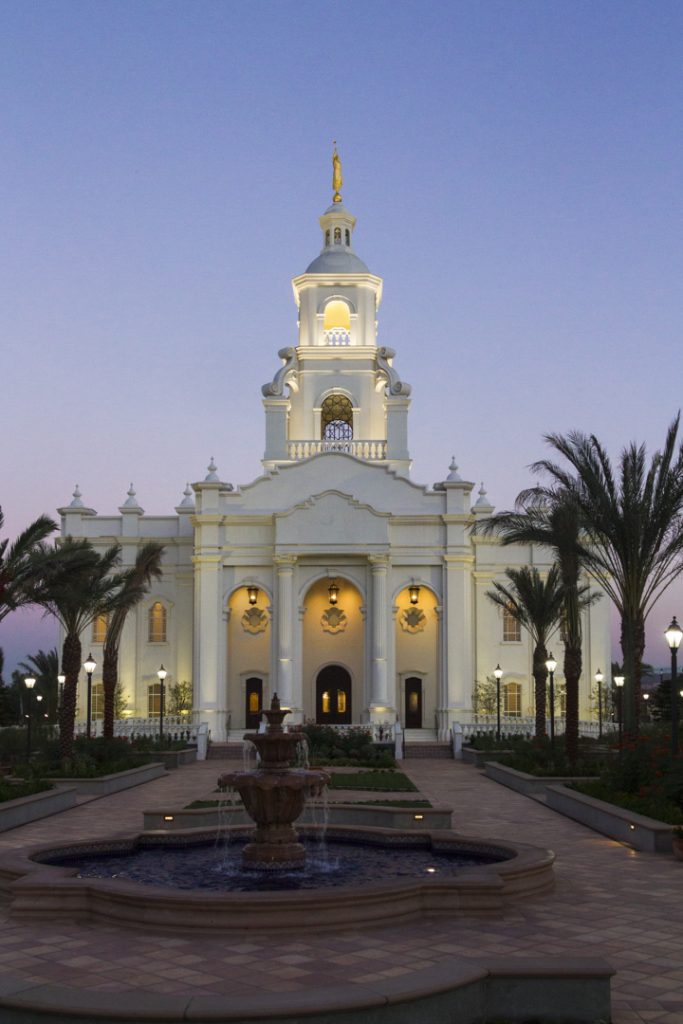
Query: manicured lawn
x=378 y=782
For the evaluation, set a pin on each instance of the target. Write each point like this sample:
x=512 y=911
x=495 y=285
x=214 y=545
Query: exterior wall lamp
x=252 y=594
x=333 y=591
x=414 y=592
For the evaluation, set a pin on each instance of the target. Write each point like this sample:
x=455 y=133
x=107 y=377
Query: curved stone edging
x=105 y=785
x=552 y=988
x=39 y=891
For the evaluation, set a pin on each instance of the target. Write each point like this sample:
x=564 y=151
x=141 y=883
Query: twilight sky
x=515 y=168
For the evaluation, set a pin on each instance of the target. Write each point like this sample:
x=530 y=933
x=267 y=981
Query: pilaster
x=379 y=707
x=284 y=613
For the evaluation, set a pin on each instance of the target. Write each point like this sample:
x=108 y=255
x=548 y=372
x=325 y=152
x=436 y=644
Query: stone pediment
x=333 y=521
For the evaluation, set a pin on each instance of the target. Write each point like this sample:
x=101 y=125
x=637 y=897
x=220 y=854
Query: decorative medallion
x=254 y=620
x=334 y=620
x=412 y=620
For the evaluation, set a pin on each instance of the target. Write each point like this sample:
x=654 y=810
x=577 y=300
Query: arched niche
x=417 y=655
x=333 y=633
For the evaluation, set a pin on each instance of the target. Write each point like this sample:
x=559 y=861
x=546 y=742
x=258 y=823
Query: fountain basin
x=37 y=890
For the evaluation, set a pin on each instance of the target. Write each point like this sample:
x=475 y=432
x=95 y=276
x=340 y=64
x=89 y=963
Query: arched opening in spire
x=336 y=419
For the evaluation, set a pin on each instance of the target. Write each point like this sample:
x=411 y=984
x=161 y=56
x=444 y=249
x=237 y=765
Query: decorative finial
x=131 y=501
x=453 y=474
x=188 y=500
x=337 y=180
x=211 y=477
x=76 y=503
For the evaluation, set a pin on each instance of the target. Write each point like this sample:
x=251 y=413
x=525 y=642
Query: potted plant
x=677 y=842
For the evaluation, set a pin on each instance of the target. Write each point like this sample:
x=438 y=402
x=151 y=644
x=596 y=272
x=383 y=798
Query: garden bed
x=471 y=755
x=373 y=781
x=637 y=830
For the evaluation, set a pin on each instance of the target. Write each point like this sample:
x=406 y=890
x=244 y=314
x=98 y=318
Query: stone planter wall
x=404 y=818
x=105 y=785
x=39 y=805
x=172 y=758
x=642 y=833
x=470 y=755
x=524 y=783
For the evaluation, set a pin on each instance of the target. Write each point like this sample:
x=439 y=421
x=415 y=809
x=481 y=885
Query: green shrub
x=13 y=790
x=351 y=747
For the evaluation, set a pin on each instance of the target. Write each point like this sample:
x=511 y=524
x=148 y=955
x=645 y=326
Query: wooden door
x=333 y=696
x=254 y=702
x=413 y=716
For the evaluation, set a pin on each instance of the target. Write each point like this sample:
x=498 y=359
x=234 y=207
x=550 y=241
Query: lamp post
x=619 y=683
x=161 y=674
x=674 y=635
x=89 y=667
x=551 y=665
x=598 y=679
x=29 y=683
x=61 y=679
x=498 y=673
x=646 y=697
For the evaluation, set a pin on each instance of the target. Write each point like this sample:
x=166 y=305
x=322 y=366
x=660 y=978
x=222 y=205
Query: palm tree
x=22 y=561
x=536 y=604
x=634 y=531
x=76 y=592
x=549 y=518
x=136 y=584
x=45 y=667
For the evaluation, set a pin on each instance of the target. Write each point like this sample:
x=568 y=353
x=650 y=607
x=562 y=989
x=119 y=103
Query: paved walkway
x=622 y=905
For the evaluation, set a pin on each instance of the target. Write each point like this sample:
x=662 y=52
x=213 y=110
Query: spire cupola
x=337 y=223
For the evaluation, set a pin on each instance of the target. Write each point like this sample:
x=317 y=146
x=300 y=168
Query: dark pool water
x=217 y=866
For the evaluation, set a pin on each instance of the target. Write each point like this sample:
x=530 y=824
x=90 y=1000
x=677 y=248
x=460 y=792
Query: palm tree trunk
x=633 y=649
x=540 y=673
x=572 y=675
x=110 y=677
x=71 y=666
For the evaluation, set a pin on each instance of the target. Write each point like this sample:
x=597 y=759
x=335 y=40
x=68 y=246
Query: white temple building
x=333 y=578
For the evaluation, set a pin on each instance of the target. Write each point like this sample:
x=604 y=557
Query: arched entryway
x=333 y=696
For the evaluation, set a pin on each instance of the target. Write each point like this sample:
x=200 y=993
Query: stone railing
x=526 y=726
x=178 y=727
x=370 y=451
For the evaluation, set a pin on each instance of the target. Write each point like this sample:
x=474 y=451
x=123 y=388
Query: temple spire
x=337 y=180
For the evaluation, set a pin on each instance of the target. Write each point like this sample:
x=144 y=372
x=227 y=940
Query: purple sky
x=516 y=173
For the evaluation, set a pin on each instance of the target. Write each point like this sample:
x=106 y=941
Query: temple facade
x=333 y=578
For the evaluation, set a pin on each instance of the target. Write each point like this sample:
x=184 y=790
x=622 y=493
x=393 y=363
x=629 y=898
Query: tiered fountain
x=274 y=794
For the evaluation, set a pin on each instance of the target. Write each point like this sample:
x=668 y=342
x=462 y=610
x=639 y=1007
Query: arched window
x=157 y=624
x=327 y=237
x=337 y=316
x=512 y=629
x=336 y=419
x=512 y=700
x=348 y=237
x=99 y=629
x=337 y=236
x=153 y=700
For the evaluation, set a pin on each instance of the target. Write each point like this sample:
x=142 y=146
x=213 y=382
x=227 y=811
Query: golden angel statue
x=337 y=180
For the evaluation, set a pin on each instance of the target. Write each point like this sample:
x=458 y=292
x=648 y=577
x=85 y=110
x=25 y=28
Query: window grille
x=512 y=629
x=336 y=419
x=512 y=700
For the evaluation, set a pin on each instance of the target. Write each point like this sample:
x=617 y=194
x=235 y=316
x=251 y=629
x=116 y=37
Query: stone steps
x=225 y=752
x=428 y=750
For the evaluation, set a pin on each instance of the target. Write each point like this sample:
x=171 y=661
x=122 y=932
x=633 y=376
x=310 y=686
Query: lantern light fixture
x=414 y=592
x=674 y=635
x=29 y=682
x=252 y=594
x=333 y=591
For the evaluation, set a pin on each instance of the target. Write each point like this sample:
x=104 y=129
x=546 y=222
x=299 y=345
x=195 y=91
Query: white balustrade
x=486 y=725
x=370 y=451
x=337 y=336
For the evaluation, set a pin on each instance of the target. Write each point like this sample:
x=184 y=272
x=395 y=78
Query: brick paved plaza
x=609 y=900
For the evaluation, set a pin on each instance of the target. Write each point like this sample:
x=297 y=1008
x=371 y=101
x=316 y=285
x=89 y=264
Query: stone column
x=284 y=673
x=459 y=667
x=379 y=708
x=209 y=623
